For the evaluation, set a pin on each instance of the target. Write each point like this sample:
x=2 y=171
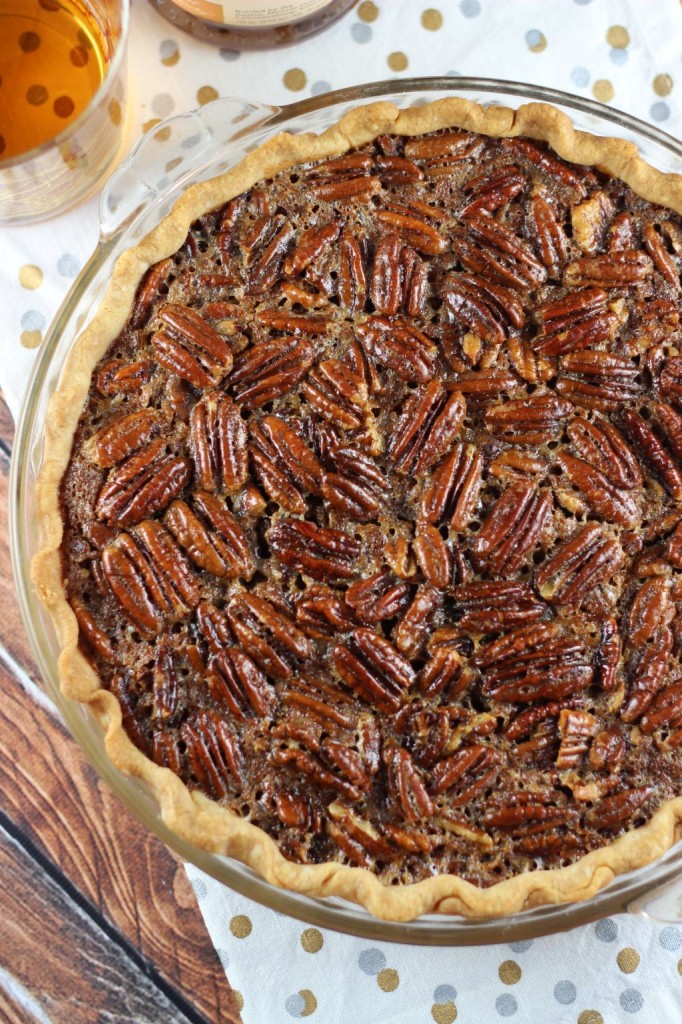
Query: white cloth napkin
x=623 y=53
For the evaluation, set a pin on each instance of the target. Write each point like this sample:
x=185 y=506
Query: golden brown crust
x=191 y=815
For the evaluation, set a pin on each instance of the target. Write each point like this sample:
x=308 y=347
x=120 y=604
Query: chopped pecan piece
x=608 y=749
x=590 y=221
x=191 y=348
x=379 y=596
x=576 y=729
x=322 y=612
x=608 y=654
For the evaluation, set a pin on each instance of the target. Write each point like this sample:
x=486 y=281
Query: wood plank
x=53 y=795
x=56 y=961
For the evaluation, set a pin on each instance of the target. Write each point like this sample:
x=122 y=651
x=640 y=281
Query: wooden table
x=99 y=921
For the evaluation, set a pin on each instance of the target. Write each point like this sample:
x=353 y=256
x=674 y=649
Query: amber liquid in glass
x=52 y=62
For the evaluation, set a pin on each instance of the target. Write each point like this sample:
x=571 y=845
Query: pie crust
x=191 y=815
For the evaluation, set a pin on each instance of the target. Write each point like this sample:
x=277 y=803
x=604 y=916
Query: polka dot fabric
x=621 y=52
x=618 y=970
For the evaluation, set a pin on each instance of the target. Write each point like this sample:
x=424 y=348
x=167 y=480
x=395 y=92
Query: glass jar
x=252 y=24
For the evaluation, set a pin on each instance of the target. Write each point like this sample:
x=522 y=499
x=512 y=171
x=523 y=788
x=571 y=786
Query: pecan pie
x=362 y=511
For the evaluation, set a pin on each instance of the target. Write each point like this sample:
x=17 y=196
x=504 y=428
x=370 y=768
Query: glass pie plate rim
x=203 y=143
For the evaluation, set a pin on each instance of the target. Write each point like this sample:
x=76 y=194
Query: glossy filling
x=372 y=520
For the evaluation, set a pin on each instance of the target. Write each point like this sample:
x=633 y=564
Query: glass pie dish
x=192 y=148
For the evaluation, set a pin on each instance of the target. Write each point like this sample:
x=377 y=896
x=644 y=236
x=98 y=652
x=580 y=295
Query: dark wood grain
x=62 y=809
x=57 y=963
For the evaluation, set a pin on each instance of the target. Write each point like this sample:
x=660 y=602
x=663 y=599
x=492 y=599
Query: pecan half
x=598 y=379
x=119 y=378
x=651 y=608
x=536 y=662
x=235 y=682
x=586 y=559
x=533 y=420
x=352 y=280
x=574 y=322
x=413 y=629
x=465 y=774
x=484 y=607
x=511 y=529
x=400 y=346
x=269 y=636
x=647 y=675
x=267 y=246
x=358 y=486
x=323 y=612
x=433 y=556
x=337 y=393
x=283 y=463
x=406 y=784
x=489 y=192
x=218 y=443
x=142 y=485
x=211 y=536
x=576 y=729
x=322 y=553
x=607 y=658
x=497 y=254
x=149 y=577
x=430 y=419
x=269 y=370
x=124 y=435
x=653 y=453
x=526 y=812
x=189 y=347
x=214 y=757
x=540 y=155
x=379 y=596
x=602 y=445
x=311 y=244
x=454 y=488
x=487 y=309
x=612 y=270
x=370 y=665
x=548 y=236
x=412 y=230
x=608 y=500
x=664 y=716
x=610 y=812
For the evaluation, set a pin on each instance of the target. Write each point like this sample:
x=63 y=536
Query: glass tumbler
x=62 y=101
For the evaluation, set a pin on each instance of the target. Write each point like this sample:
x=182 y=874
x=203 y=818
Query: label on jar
x=252 y=13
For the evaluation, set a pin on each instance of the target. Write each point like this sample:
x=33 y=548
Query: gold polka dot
x=309 y=1002
x=115 y=112
x=239 y=999
x=36 y=95
x=663 y=85
x=444 y=1013
x=63 y=106
x=618 y=37
x=679 y=966
x=79 y=56
x=312 y=940
x=367 y=11
x=171 y=56
x=388 y=980
x=30 y=276
x=397 y=61
x=29 y=41
x=147 y=125
x=205 y=94
x=590 y=1017
x=628 y=960
x=432 y=20
x=172 y=164
x=295 y=79
x=31 y=339
x=509 y=972
x=240 y=926
x=602 y=90
x=540 y=43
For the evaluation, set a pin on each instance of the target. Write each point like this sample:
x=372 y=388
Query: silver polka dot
x=168 y=48
x=33 y=320
x=360 y=32
x=67 y=265
x=445 y=994
x=606 y=930
x=631 y=1000
x=618 y=57
x=470 y=8
x=230 y=55
x=371 y=961
x=580 y=77
x=565 y=992
x=660 y=111
x=318 y=88
x=295 y=1005
x=162 y=104
x=506 y=1005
